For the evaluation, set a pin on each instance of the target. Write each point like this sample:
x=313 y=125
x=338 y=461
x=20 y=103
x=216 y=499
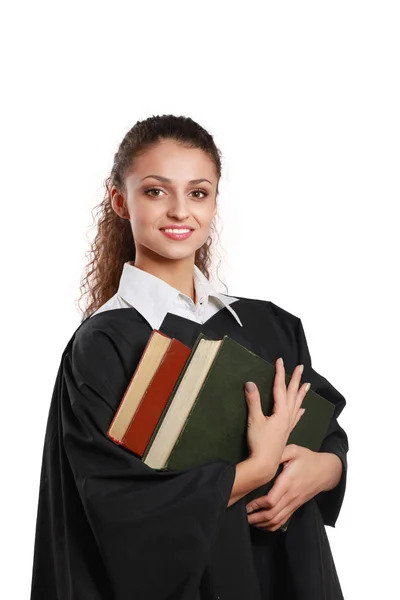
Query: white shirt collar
x=154 y=298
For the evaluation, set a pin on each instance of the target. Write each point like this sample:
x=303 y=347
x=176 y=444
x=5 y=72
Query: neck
x=177 y=273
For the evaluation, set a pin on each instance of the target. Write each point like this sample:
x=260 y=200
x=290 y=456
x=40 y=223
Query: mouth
x=175 y=233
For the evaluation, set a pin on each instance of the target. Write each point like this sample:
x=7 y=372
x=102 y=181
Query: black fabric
x=109 y=527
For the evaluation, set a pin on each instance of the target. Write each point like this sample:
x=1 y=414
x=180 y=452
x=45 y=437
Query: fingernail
x=307 y=387
x=301 y=368
x=281 y=359
x=249 y=509
x=250 y=386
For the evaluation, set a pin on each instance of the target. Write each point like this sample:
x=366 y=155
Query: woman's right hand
x=267 y=436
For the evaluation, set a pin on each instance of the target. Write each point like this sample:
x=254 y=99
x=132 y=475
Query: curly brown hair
x=114 y=244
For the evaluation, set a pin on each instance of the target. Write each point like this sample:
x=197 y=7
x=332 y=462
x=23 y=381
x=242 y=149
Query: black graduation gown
x=110 y=527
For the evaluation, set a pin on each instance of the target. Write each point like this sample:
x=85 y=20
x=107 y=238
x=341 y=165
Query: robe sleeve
x=336 y=440
x=154 y=529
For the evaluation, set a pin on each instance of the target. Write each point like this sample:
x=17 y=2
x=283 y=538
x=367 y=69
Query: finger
x=298 y=416
x=253 y=400
x=295 y=394
x=266 y=515
x=261 y=503
x=293 y=385
x=292 y=391
x=298 y=402
x=274 y=496
x=278 y=520
x=279 y=387
x=281 y=486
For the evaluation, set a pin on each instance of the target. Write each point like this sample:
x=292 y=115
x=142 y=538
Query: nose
x=178 y=206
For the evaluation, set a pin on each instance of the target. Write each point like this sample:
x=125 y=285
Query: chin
x=177 y=255
x=170 y=253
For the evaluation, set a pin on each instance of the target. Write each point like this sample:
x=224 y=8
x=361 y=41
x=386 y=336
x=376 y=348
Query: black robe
x=110 y=527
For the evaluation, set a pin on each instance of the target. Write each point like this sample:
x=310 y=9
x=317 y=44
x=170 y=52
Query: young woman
x=110 y=527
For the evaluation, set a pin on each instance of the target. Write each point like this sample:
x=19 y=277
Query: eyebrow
x=166 y=180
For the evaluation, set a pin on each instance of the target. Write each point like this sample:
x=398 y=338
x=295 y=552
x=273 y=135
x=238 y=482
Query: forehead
x=170 y=159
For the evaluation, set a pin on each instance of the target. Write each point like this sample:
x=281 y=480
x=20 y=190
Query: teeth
x=177 y=230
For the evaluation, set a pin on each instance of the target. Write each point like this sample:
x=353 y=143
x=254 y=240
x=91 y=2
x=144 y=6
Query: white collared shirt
x=153 y=298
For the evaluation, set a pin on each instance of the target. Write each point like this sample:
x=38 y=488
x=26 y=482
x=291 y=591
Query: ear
x=118 y=204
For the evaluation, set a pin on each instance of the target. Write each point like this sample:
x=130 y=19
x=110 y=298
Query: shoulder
x=101 y=357
x=94 y=326
x=89 y=345
x=115 y=302
x=110 y=334
x=272 y=330
x=259 y=308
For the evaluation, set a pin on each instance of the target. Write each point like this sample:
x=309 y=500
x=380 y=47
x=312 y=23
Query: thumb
x=290 y=451
x=253 y=400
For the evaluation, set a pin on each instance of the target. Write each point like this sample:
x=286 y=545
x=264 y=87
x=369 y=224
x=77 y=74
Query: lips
x=176 y=227
x=172 y=235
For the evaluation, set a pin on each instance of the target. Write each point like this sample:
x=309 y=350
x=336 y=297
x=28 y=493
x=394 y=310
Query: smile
x=177 y=234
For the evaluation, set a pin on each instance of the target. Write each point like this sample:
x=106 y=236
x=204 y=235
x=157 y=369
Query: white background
x=303 y=100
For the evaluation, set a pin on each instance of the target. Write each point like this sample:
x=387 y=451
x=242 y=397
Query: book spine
x=152 y=404
x=169 y=459
x=117 y=412
x=168 y=404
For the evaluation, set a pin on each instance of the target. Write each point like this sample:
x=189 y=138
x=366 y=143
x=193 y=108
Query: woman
x=108 y=526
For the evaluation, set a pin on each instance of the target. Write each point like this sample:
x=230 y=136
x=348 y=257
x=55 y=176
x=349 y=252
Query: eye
x=201 y=192
x=154 y=189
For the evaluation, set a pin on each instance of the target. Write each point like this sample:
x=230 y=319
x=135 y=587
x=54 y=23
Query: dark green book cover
x=217 y=424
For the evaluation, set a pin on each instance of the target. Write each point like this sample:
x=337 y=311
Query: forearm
x=335 y=442
x=249 y=476
x=330 y=471
x=330 y=500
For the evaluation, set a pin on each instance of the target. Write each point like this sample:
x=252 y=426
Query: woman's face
x=154 y=204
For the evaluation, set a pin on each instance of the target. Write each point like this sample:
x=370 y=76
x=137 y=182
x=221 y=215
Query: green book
x=206 y=415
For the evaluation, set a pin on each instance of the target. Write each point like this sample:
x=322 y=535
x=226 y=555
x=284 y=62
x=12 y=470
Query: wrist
x=259 y=472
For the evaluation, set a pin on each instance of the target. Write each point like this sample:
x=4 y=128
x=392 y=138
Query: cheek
x=203 y=214
x=145 y=220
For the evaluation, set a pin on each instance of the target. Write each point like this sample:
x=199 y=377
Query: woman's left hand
x=305 y=474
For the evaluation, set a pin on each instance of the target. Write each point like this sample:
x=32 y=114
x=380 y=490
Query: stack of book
x=184 y=407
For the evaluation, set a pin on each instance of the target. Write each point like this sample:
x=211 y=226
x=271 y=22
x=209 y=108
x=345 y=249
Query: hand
x=305 y=474
x=267 y=436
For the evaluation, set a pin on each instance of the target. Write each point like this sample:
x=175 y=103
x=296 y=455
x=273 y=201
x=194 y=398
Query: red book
x=148 y=392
